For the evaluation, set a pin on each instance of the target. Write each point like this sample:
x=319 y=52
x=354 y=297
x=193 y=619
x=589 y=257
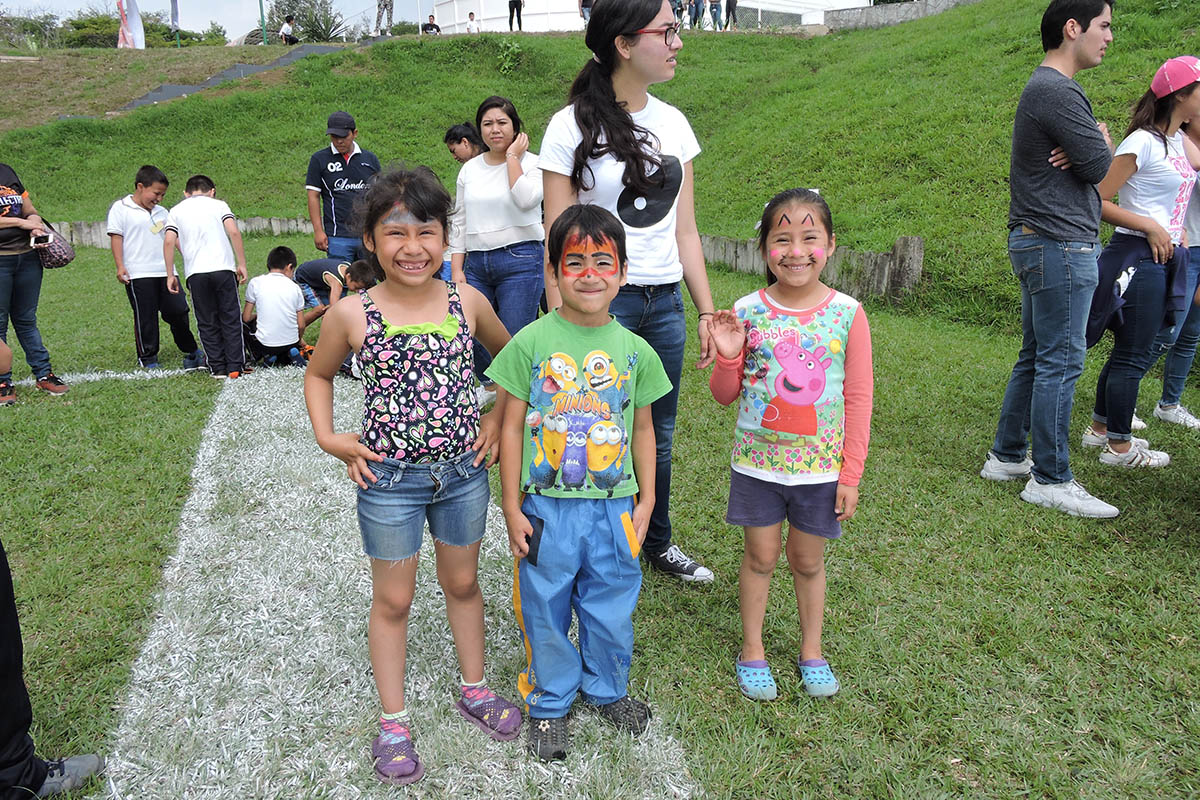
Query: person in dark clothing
x=514 y=7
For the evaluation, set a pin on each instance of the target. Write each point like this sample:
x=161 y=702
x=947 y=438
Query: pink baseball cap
x=1175 y=74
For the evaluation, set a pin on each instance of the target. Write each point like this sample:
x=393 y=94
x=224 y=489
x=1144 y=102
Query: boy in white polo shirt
x=135 y=233
x=207 y=234
x=275 y=307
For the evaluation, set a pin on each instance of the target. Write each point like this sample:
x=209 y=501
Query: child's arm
x=512 y=446
x=170 y=242
x=300 y=324
x=239 y=252
x=729 y=338
x=491 y=333
x=858 y=391
x=332 y=347
x=643 y=469
x=117 y=242
x=248 y=313
x=336 y=287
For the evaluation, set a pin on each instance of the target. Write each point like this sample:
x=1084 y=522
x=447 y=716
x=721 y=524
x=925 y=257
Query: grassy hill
x=904 y=129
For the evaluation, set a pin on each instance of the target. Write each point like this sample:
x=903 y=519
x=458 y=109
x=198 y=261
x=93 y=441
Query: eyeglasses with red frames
x=669 y=32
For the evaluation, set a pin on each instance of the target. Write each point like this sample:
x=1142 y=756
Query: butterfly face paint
x=582 y=256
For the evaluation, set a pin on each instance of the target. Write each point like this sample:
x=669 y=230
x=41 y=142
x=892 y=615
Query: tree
x=95 y=28
x=316 y=20
x=32 y=31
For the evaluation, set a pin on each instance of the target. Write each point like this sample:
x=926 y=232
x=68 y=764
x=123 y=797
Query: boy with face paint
x=577 y=469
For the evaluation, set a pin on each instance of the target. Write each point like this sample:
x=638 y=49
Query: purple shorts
x=808 y=507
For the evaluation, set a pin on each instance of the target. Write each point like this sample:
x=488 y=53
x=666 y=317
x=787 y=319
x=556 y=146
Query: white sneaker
x=1137 y=423
x=1177 y=414
x=1093 y=439
x=996 y=470
x=1069 y=497
x=484 y=396
x=1135 y=456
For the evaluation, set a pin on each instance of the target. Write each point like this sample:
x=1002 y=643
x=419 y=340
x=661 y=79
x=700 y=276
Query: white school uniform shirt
x=649 y=221
x=141 y=232
x=1162 y=185
x=473 y=26
x=286 y=30
x=488 y=214
x=276 y=299
x=199 y=221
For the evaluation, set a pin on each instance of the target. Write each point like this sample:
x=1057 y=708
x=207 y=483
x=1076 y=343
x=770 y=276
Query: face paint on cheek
x=775 y=254
x=399 y=215
x=818 y=253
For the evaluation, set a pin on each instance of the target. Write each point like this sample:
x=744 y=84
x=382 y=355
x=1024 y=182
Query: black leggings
x=514 y=5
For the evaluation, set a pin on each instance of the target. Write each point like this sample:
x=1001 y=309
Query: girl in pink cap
x=1144 y=268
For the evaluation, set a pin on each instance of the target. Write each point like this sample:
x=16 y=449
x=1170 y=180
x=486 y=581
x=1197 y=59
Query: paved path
x=254 y=679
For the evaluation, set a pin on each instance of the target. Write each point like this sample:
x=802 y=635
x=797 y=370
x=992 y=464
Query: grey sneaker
x=1135 y=456
x=1137 y=423
x=1178 y=415
x=1093 y=439
x=1069 y=497
x=996 y=470
x=68 y=774
x=674 y=561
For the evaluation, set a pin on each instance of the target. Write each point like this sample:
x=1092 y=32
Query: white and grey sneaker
x=674 y=561
x=1178 y=415
x=484 y=397
x=996 y=470
x=1093 y=439
x=1135 y=456
x=1069 y=497
x=1137 y=423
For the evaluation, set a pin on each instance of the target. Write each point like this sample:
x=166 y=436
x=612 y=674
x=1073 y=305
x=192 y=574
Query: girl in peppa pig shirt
x=797 y=358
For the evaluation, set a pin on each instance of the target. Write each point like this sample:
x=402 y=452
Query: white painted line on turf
x=111 y=375
x=254 y=679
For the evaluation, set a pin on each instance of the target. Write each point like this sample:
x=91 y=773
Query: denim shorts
x=451 y=495
x=808 y=507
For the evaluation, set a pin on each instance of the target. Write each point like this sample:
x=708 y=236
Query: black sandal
x=548 y=738
x=627 y=714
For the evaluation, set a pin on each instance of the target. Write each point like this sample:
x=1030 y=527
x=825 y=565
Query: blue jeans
x=1057 y=282
x=346 y=248
x=20 y=286
x=715 y=10
x=1142 y=315
x=656 y=314
x=512 y=279
x=1179 y=341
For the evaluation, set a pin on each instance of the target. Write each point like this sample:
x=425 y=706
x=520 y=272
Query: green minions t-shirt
x=582 y=385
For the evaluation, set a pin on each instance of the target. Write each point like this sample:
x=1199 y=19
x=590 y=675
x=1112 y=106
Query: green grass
x=905 y=129
x=987 y=648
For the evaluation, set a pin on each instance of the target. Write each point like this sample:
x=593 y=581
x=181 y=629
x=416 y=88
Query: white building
x=563 y=15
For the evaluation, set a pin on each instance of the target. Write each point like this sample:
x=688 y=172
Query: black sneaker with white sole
x=674 y=561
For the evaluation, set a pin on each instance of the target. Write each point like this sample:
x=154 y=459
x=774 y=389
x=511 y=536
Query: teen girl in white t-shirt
x=616 y=146
x=1153 y=174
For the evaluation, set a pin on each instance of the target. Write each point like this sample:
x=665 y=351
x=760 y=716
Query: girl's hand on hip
x=487 y=444
x=349 y=449
x=846 y=503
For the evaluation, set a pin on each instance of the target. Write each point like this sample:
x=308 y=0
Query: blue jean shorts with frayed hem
x=452 y=496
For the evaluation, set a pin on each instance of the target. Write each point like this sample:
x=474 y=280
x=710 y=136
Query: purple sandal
x=396 y=760
x=491 y=713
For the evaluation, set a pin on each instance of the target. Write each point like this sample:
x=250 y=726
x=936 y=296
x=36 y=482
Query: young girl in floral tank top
x=797 y=358
x=424 y=450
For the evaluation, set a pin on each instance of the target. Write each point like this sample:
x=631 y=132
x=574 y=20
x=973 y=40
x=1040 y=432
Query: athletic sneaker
x=1093 y=439
x=996 y=470
x=674 y=561
x=1178 y=415
x=52 y=384
x=149 y=365
x=1069 y=497
x=1137 y=423
x=8 y=395
x=484 y=396
x=627 y=714
x=1135 y=456
x=195 y=360
x=548 y=738
x=69 y=774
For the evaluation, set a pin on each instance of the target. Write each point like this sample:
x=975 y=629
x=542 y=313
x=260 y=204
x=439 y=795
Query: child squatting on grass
x=422 y=451
x=797 y=357
x=577 y=447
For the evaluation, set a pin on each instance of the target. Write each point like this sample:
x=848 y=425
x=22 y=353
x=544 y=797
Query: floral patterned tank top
x=418 y=382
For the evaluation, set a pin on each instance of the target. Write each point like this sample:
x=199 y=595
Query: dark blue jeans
x=656 y=314
x=346 y=248
x=20 y=286
x=1179 y=341
x=1142 y=317
x=512 y=279
x=1057 y=282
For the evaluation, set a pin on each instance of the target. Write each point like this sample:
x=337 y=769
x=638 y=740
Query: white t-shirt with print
x=199 y=221
x=276 y=299
x=1163 y=183
x=649 y=221
x=1191 y=222
x=141 y=232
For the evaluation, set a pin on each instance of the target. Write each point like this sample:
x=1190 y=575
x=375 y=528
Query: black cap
x=340 y=124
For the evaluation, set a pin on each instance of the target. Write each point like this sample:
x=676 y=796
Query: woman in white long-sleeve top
x=496 y=229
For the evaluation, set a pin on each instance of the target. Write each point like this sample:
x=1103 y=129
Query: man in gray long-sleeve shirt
x=1059 y=154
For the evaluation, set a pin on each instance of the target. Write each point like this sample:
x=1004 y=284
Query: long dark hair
x=1154 y=113
x=785 y=199
x=606 y=125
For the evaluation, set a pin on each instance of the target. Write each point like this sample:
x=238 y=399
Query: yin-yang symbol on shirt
x=644 y=211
